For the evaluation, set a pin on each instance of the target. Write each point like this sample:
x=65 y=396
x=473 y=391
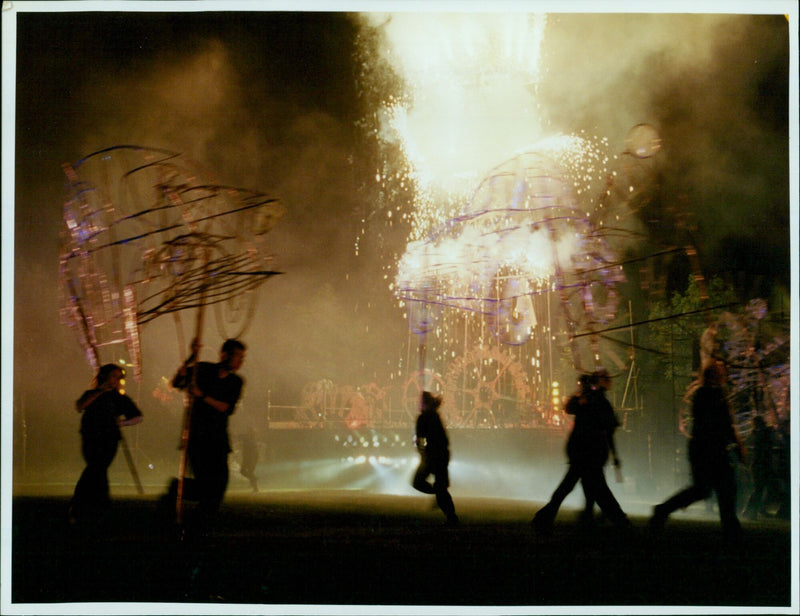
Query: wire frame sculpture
x=521 y=237
x=146 y=233
x=755 y=355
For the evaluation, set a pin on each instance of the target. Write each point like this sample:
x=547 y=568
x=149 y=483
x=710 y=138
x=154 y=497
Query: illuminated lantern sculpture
x=521 y=238
x=145 y=234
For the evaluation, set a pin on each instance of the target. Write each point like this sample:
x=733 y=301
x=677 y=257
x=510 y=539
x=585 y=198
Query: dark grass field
x=349 y=548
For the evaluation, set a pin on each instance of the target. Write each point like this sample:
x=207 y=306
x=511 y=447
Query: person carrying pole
x=105 y=410
x=214 y=389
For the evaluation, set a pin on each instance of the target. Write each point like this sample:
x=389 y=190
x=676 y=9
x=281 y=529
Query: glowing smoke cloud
x=523 y=233
x=473 y=80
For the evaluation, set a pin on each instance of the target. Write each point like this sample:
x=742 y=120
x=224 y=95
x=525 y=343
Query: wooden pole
x=187 y=416
x=129 y=459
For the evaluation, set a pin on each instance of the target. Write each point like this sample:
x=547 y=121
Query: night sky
x=275 y=101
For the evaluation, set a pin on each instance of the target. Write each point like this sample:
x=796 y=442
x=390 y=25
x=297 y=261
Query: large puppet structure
x=532 y=268
x=146 y=233
x=756 y=359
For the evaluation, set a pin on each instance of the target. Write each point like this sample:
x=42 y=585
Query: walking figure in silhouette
x=434 y=449
x=713 y=436
x=215 y=390
x=105 y=409
x=588 y=448
x=572 y=477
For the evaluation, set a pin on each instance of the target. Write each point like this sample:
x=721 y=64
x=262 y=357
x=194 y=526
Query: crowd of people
x=213 y=390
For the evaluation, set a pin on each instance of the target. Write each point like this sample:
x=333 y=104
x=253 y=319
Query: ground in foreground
x=352 y=548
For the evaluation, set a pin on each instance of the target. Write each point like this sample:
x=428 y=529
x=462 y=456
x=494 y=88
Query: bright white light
x=472 y=78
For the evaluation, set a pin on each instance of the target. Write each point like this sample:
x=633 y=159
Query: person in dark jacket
x=434 y=448
x=545 y=516
x=713 y=435
x=588 y=448
x=215 y=389
x=105 y=409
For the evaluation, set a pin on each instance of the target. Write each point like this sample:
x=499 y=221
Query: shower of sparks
x=499 y=229
x=500 y=244
x=522 y=231
x=472 y=80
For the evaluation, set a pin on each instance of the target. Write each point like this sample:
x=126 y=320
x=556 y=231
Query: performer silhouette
x=434 y=448
x=215 y=390
x=588 y=447
x=105 y=409
x=713 y=434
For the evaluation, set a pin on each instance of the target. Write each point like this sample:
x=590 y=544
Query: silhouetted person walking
x=105 y=409
x=214 y=390
x=434 y=448
x=545 y=516
x=713 y=434
x=588 y=447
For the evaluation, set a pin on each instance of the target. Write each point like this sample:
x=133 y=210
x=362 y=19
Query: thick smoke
x=716 y=88
x=270 y=102
x=259 y=103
